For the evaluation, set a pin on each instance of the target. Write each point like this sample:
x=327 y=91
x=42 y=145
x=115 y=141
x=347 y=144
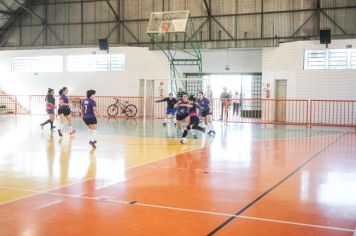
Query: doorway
x=147 y=93
x=281 y=95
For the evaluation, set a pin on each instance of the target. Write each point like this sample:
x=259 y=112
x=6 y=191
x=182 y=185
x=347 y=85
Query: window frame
x=37 y=63
x=96 y=63
x=330 y=59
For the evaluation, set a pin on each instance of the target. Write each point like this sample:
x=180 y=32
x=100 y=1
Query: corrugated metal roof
x=7 y=9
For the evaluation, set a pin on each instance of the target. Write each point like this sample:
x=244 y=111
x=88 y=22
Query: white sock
x=90 y=135
x=70 y=128
x=170 y=118
x=93 y=134
x=60 y=125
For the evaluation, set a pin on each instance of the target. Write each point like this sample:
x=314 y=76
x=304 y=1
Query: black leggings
x=193 y=124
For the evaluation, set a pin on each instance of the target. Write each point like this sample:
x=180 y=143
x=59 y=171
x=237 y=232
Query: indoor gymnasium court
x=177 y=117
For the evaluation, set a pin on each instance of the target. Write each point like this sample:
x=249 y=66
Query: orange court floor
x=247 y=180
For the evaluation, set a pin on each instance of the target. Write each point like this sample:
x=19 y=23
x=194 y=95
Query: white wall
x=140 y=63
x=239 y=61
x=286 y=62
x=215 y=60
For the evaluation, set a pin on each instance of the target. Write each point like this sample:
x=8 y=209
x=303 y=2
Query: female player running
x=90 y=112
x=193 y=119
x=182 y=111
x=64 y=112
x=170 y=110
x=50 y=106
x=204 y=104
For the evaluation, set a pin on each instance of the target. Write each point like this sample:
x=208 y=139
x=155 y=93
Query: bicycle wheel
x=112 y=110
x=131 y=110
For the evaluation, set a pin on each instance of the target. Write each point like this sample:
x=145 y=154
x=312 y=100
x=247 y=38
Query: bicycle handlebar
x=118 y=100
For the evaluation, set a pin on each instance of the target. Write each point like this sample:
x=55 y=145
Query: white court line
x=184 y=168
x=296 y=223
x=35 y=192
x=150 y=166
x=107 y=199
x=246 y=217
x=63 y=195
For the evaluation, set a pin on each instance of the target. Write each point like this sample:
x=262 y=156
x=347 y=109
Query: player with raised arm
x=170 y=110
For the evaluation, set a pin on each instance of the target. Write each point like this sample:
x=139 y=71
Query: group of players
x=88 y=113
x=189 y=109
x=186 y=109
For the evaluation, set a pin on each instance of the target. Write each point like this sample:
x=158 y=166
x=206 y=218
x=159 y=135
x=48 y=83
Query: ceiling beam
x=7 y=13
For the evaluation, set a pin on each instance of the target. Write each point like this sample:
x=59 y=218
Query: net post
x=144 y=100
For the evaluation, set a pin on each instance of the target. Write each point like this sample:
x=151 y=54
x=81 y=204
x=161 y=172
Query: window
x=37 y=64
x=314 y=59
x=338 y=59
x=96 y=62
x=353 y=60
x=329 y=59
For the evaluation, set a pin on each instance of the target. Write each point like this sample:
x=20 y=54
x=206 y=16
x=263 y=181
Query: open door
x=281 y=95
x=147 y=93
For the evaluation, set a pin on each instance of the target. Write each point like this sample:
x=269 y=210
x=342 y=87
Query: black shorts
x=90 y=121
x=50 y=111
x=182 y=117
x=194 y=120
x=64 y=111
x=205 y=113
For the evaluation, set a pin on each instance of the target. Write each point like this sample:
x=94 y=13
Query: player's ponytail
x=49 y=91
x=62 y=90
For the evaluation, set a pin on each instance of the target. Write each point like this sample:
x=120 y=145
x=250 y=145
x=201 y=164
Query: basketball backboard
x=168 y=22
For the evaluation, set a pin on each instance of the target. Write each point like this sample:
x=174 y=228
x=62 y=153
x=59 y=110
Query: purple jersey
x=65 y=99
x=204 y=104
x=88 y=108
x=183 y=110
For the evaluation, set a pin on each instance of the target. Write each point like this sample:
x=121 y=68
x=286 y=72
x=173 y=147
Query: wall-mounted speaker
x=325 y=36
x=103 y=44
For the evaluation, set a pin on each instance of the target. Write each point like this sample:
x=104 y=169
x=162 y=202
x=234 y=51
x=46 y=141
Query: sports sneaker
x=164 y=124
x=183 y=140
x=92 y=144
x=195 y=136
x=211 y=133
x=41 y=126
x=60 y=133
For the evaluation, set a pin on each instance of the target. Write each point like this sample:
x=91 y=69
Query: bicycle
x=130 y=110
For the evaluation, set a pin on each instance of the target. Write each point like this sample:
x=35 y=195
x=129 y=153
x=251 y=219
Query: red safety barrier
x=341 y=113
x=7 y=104
x=264 y=111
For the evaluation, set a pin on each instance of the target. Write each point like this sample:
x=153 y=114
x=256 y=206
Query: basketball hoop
x=165 y=28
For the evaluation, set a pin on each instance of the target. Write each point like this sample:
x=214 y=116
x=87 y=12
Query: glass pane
x=37 y=64
x=96 y=63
